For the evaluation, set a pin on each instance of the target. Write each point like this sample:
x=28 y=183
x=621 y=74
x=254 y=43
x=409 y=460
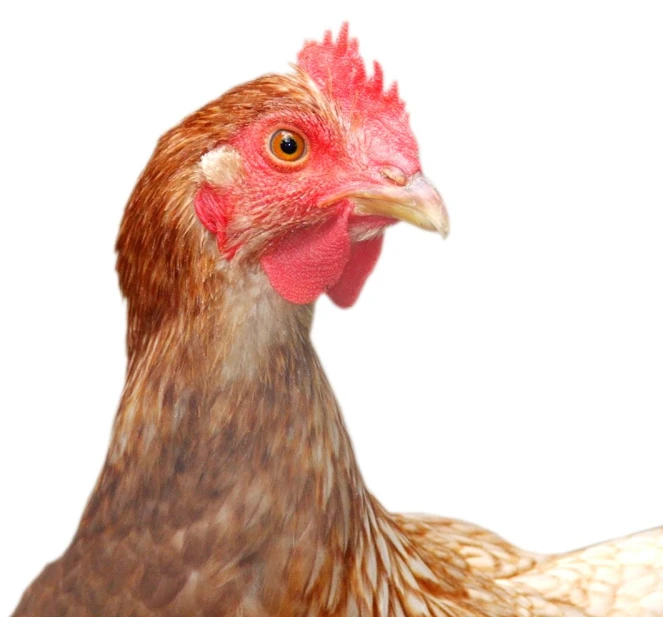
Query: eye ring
x=288 y=146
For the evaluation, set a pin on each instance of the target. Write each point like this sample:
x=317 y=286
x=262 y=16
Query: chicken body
x=231 y=486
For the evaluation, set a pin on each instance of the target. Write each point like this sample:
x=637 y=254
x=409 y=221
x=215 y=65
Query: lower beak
x=416 y=202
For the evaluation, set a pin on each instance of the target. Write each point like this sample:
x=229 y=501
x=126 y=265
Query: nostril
x=395 y=174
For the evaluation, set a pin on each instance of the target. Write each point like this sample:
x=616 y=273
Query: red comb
x=337 y=68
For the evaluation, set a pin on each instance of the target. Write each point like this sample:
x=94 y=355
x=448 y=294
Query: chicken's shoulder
x=484 y=551
x=621 y=578
x=488 y=564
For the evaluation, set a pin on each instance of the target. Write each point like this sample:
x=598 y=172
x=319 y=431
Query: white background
x=510 y=376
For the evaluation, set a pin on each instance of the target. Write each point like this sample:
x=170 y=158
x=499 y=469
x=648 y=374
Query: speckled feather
x=231 y=487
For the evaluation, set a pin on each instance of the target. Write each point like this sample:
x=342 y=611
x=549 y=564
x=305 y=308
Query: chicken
x=230 y=486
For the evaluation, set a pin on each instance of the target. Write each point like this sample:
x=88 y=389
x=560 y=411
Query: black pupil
x=288 y=145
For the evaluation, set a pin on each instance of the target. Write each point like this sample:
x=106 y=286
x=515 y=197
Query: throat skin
x=229 y=454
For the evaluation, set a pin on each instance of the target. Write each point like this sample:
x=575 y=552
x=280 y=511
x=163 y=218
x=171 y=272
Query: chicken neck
x=229 y=444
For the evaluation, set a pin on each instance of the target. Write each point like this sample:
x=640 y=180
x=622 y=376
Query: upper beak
x=414 y=200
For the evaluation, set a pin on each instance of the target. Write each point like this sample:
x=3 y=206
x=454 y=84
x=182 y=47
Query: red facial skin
x=294 y=216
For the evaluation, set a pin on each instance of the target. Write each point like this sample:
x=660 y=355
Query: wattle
x=322 y=259
x=312 y=260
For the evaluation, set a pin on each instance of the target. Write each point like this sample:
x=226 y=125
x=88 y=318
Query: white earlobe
x=222 y=166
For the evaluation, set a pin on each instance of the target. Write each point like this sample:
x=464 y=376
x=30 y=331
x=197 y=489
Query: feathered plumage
x=230 y=486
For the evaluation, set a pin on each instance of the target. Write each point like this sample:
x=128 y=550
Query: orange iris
x=287 y=146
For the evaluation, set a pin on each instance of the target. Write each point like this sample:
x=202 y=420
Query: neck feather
x=236 y=400
x=228 y=425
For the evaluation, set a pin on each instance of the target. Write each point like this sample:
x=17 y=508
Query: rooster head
x=308 y=185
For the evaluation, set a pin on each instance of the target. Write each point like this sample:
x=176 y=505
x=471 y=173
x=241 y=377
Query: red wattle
x=308 y=262
x=363 y=257
x=305 y=264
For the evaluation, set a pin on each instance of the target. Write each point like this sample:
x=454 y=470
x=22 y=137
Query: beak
x=416 y=201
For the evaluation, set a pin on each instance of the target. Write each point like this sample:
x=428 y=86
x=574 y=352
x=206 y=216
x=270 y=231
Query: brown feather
x=231 y=486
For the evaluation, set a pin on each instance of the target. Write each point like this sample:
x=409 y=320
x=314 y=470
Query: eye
x=287 y=146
